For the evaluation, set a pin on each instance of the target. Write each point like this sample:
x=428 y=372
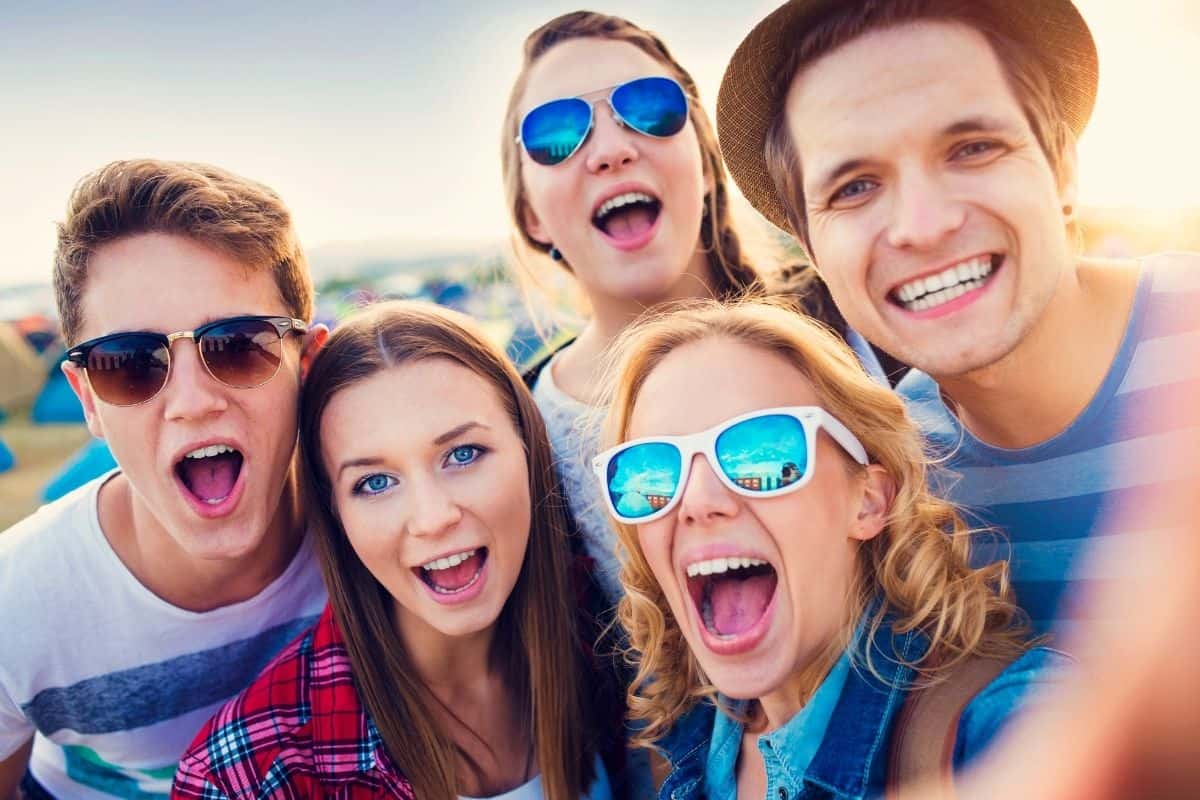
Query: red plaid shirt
x=298 y=731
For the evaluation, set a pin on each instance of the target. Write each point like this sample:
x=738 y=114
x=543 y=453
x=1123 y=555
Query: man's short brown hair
x=235 y=216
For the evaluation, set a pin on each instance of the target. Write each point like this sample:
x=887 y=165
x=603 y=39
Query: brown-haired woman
x=612 y=170
x=451 y=660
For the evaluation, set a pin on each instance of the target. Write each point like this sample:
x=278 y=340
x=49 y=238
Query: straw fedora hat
x=752 y=92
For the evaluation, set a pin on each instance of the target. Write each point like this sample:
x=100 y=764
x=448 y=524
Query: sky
x=380 y=121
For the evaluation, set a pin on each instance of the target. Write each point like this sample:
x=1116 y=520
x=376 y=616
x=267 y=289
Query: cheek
x=655 y=542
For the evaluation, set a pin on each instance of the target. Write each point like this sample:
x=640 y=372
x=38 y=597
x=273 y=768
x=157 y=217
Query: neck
x=579 y=369
x=1045 y=383
x=156 y=559
x=785 y=701
x=448 y=665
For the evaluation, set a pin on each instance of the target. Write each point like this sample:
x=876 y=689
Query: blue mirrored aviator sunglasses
x=554 y=131
x=760 y=454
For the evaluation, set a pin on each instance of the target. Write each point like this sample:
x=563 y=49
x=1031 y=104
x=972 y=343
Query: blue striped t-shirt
x=1089 y=490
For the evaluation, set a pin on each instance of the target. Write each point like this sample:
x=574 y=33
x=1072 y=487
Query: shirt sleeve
x=15 y=728
x=1024 y=684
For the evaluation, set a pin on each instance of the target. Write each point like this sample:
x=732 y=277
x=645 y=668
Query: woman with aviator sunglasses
x=611 y=169
x=802 y=607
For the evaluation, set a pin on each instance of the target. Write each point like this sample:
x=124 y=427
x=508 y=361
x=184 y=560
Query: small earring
x=1068 y=211
x=555 y=253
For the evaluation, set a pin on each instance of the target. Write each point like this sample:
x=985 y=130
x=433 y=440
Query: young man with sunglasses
x=136 y=605
x=923 y=152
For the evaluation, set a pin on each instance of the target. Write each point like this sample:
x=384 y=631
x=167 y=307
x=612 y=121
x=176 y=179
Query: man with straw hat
x=923 y=153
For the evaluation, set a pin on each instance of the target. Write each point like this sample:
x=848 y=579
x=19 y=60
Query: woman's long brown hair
x=535 y=644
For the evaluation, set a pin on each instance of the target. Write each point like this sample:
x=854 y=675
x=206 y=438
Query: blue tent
x=56 y=402
x=90 y=461
x=6 y=457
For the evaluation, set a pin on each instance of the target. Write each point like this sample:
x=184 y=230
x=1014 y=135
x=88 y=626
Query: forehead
x=895 y=85
x=163 y=282
x=580 y=66
x=701 y=384
x=404 y=408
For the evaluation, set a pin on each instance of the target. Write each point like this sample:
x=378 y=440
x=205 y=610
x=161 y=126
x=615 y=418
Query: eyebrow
x=374 y=461
x=455 y=432
x=969 y=125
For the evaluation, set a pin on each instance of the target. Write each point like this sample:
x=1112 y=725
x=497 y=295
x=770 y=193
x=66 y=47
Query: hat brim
x=752 y=92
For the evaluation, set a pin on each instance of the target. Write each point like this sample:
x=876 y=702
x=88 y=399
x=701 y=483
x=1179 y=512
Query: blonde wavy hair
x=916 y=569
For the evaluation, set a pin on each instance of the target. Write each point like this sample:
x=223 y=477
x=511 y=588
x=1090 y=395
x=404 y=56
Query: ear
x=878 y=492
x=1068 y=176
x=78 y=381
x=533 y=226
x=310 y=345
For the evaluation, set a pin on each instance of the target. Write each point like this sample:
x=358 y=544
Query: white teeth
x=622 y=200
x=932 y=291
x=718 y=565
x=210 y=451
x=448 y=561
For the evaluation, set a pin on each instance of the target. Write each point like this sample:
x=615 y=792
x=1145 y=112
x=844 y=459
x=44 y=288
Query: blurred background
x=379 y=124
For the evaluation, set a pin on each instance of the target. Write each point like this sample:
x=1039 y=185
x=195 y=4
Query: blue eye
x=853 y=190
x=374 y=484
x=464 y=454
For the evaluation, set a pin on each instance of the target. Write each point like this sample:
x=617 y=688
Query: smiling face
x=757 y=627
x=212 y=505
x=435 y=501
x=934 y=215
x=647 y=249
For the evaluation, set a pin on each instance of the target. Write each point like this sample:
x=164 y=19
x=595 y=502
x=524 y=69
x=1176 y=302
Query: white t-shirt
x=574 y=432
x=114 y=680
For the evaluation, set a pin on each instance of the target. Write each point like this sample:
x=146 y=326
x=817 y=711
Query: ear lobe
x=878 y=493
x=1068 y=176
x=310 y=345
x=533 y=225
x=77 y=379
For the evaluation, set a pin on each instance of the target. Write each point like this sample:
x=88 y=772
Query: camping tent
x=6 y=457
x=20 y=369
x=90 y=461
x=57 y=402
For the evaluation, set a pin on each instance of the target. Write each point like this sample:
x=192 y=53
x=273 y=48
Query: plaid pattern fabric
x=298 y=731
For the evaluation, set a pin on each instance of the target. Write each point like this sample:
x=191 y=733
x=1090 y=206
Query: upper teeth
x=721 y=565
x=211 y=450
x=622 y=200
x=448 y=561
x=943 y=287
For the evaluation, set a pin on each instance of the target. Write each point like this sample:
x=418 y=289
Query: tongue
x=628 y=222
x=739 y=603
x=455 y=578
x=211 y=478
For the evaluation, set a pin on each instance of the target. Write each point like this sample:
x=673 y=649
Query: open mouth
x=731 y=594
x=453 y=574
x=936 y=290
x=627 y=216
x=210 y=473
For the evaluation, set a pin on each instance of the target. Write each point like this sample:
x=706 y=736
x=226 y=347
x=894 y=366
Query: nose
x=191 y=393
x=433 y=510
x=611 y=145
x=923 y=213
x=705 y=498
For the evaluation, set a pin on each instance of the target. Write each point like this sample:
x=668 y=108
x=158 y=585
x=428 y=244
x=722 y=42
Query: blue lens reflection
x=553 y=131
x=764 y=453
x=653 y=106
x=643 y=478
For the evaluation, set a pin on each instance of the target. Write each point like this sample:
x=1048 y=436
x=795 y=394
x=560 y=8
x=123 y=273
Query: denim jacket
x=851 y=761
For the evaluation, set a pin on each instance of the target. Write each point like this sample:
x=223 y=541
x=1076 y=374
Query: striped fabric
x=298 y=731
x=1070 y=511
